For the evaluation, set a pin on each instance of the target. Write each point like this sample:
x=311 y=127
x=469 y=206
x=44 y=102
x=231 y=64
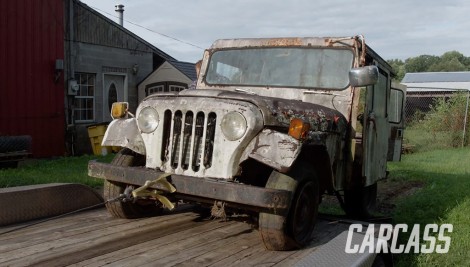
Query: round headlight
x=233 y=126
x=148 y=120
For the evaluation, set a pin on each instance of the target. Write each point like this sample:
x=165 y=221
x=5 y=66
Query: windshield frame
x=348 y=57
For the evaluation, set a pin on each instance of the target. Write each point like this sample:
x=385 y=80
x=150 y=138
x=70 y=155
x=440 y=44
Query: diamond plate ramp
x=23 y=203
x=333 y=254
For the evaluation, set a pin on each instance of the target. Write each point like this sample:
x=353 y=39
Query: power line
x=135 y=24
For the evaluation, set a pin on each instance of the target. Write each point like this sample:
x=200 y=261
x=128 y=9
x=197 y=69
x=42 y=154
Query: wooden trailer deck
x=94 y=238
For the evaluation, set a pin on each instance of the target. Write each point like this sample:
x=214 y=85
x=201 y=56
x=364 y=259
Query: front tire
x=294 y=230
x=127 y=210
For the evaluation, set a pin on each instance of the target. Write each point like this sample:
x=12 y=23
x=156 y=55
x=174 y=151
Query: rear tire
x=294 y=230
x=127 y=210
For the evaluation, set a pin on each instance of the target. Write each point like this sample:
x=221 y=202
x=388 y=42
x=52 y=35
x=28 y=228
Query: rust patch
x=284 y=42
x=288 y=145
x=320 y=120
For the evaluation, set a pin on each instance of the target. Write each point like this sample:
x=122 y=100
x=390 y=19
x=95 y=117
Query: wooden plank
x=223 y=249
x=182 y=248
x=324 y=231
x=52 y=224
x=102 y=246
x=52 y=230
x=230 y=243
x=263 y=258
x=129 y=253
x=240 y=258
x=63 y=251
x=94 y=238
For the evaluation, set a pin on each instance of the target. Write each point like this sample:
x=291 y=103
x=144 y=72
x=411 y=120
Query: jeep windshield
x=324 y=68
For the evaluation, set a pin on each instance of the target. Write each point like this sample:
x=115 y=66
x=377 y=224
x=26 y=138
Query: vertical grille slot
x=166 y=136
x=210 y=134
x=187 y=139
x=176 y=140
x=198 y=135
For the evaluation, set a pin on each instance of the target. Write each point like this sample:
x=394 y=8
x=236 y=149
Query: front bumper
x=200 y=189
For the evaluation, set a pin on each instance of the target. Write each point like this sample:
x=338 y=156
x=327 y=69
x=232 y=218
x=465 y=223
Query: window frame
x=167 y=87
x=81 y=97
x=399 y=113
x=213 y=67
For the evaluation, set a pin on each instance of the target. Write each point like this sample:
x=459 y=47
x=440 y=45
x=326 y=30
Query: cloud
x=395 y=29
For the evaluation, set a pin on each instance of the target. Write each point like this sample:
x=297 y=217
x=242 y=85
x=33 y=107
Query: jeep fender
x=275 y=149
x=124 y=133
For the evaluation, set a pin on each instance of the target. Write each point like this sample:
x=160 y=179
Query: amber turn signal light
x=298 y=128
x=119 y=110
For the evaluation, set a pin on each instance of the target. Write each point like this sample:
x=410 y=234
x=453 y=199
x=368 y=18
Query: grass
x=443 y=199
x=61 y=170
x=423 y=140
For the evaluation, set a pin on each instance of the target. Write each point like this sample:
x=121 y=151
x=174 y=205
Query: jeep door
x=376 y=129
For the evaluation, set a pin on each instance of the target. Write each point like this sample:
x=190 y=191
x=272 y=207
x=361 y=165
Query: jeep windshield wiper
x=321 y=93
x=244 y=91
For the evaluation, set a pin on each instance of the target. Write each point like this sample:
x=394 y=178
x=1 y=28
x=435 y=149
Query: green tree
x=448 y=65
x=450 y=61
x=448 y=56
x=420 y=63
x=398 y=68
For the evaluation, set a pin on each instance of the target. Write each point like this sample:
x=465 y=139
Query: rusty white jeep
x=272 y=126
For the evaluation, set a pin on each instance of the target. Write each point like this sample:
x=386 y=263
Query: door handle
x=371 y=119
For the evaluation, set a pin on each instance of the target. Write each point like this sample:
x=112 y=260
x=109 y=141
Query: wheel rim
x=305 y=213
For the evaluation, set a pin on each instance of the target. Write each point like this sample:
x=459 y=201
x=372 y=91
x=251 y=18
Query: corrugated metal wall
x=31 y=101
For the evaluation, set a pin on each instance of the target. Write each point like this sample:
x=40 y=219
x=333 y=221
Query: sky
x=395 y=29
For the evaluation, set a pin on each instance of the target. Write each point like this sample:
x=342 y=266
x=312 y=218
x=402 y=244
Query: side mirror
x=363 y=76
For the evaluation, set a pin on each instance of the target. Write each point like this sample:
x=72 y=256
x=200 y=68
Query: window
x=155 y=89
x=379 y=95
x=84 y=101
x=176 y=88
x=112 y=96
x=325 y=68
x=396 y=106
x=164 y=87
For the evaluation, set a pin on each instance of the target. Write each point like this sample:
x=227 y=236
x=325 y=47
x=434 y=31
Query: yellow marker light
x=298 y=128
x=119 y=110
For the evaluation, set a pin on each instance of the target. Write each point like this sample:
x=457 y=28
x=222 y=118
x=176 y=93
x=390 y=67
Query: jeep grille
x=188 y=139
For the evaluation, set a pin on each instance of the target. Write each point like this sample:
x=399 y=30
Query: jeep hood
x=277 y=112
